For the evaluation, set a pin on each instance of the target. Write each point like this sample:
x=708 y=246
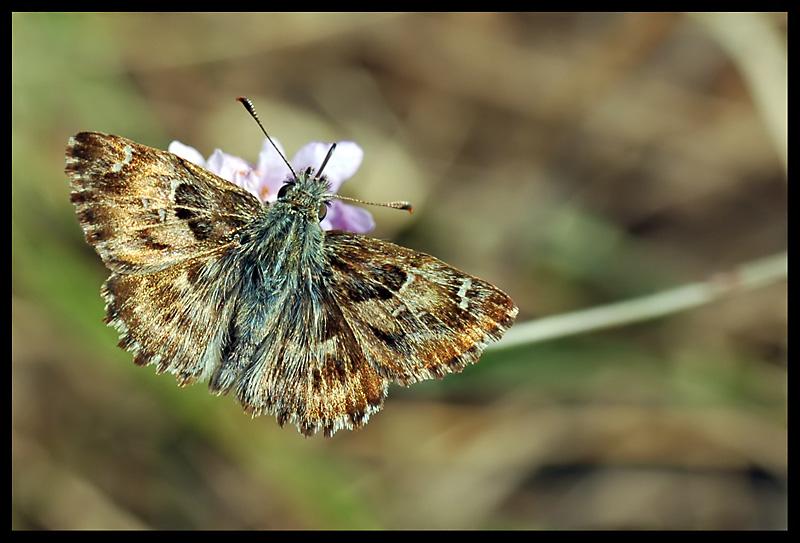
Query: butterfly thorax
x=284 y=245
x=281 y=252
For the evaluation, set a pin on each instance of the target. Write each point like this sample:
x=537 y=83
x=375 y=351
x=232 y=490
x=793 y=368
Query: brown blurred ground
x=572 y=159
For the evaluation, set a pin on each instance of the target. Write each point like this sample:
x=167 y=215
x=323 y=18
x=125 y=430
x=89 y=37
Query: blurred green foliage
x=572 y=159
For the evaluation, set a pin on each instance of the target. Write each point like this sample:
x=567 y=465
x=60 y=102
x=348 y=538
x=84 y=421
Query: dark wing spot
x=391 y=276
x=87 y=215
x=393 y=340
x=115 y=180
x=230 y=342
x=188 y=196
x=316 y=379
x=112 y=311
x=431 y=322
x=374 y=396
x=306 y=428
x=184 y=214
x=126 y=342
x=341 y=265
x=235 y=222
x=148 y=241
x=80 y=197
x=282 y=417
x=334 y=366
x=452 y=316
x=359 y=290
x=185 y=319
x=455 y=363
x=200 y=228
x=156 y=245
x=87 y=150
x=101 y=234
x=333 y=321
x=357 y=416
x=85 y=137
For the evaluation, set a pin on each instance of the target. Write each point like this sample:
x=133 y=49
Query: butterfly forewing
x=144 y=209
x=416 y=317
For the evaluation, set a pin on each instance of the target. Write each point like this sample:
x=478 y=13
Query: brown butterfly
x=309 y=325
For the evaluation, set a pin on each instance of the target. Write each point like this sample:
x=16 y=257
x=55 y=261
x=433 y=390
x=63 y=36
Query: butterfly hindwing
x=144 y=209
x=172 y=318
x=311 y=371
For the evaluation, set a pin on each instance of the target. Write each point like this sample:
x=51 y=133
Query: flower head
x=265 y=178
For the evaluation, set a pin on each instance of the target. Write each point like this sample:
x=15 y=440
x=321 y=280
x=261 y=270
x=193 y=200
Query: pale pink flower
x=265 y=178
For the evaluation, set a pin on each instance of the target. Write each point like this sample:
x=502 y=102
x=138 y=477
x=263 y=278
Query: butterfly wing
x=144 y=209
x=176 y=318
x=290 y=351
x=310 y=370
x=414 y=316
x=165 y=228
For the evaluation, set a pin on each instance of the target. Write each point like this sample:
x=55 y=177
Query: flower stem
x=746 y=277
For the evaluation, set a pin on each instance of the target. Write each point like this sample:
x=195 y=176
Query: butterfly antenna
x=248 y=105
x=327 y=158
x=394 y=205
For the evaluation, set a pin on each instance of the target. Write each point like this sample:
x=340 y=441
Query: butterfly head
x=306 y=194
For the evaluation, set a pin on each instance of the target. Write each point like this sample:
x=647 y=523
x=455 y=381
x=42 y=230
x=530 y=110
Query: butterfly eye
x=283 y=190
x=323 y=210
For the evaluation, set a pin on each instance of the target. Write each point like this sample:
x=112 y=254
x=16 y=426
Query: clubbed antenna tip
x=248 y=105
x=406 y=206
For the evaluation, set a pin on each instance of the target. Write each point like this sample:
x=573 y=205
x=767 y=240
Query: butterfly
x=311 y=326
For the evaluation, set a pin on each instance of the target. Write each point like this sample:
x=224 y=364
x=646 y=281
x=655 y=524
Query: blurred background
x=572 y=159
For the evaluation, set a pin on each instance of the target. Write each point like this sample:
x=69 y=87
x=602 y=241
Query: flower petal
x=342 y=216
x=186 y=152
x=250 y=182
x=271 y=170
x=227 y=166
x=343 y=163
x=234 y=169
